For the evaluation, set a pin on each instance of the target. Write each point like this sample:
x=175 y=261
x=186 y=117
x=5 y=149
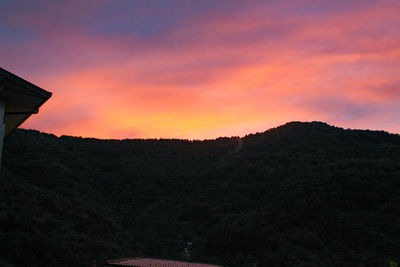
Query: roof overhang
x=21 y=98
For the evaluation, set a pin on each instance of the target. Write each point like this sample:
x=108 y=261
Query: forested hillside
x=303 y=194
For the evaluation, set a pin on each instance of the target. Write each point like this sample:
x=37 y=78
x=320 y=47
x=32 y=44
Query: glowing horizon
x=196 y=70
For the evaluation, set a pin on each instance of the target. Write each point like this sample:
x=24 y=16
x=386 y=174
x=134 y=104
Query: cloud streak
x=200 y=70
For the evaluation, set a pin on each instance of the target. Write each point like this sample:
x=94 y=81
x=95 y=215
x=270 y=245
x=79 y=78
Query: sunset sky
x=204 y=69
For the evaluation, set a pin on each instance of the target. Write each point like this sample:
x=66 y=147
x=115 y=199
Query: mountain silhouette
x=302 y=194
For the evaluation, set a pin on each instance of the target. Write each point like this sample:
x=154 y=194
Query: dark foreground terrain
x=303 y=194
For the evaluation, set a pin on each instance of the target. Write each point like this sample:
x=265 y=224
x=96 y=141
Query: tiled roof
x=147 y=262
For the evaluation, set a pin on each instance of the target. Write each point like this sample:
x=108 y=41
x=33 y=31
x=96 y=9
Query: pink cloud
x=218 y=74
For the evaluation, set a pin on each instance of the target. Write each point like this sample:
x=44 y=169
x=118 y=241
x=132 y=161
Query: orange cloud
x=227 y=75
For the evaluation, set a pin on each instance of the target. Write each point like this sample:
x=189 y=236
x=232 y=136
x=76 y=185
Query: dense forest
x=303 y=194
